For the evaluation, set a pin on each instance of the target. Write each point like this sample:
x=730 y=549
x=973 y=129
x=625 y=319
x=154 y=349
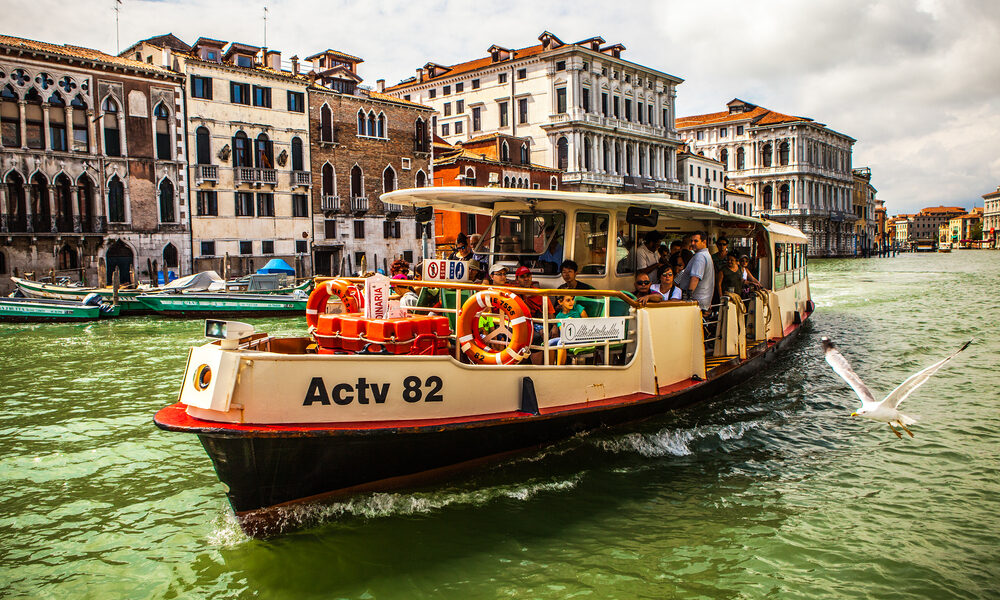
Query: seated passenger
x=498 y=275
x=537 y=305
x=666 y=288
x=550 y=259
x=568 y=309
x=642 y=290
x=408 y=298
x=476 y=274
x=569 y=269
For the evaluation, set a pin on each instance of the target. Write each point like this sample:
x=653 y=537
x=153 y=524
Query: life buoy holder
x=316 y=305
x=471 y=339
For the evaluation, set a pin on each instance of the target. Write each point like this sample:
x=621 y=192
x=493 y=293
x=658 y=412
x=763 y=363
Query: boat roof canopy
x=481 y=200
x=778 y=230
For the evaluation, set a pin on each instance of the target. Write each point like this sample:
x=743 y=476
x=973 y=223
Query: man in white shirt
x=647 y=259
x=698 y=277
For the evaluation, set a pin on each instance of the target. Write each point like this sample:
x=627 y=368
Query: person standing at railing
x=697 y=280
x=730 y=277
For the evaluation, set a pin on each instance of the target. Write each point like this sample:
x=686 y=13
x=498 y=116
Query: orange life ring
x=471 y=340
x=316 y=305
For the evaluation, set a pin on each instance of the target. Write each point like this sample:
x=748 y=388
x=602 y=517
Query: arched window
x=116 y=200
x=10 y=118
x=618 y=158
x=166 y=201
x=628 y=160
x=371 y=124
x=767 y=197
x=241 y=150
x=40 y=202
x=170 y=256
x=587 y=151
x=68 y=258
x=57 y=123
x=421 y=180
x=112 y=136
x=18 y=221
x=724 y=158
x=420 y=143
x=525 y=159
x=470 y=176
x=642 y=162
x=203 y=144
x=34 y=124
x=162 y=132
x=325 y=124
x=740 y=159
x=504 y=152
x=554 y=183
x=381 y=125
x=783 y=153
x=388 y=180
x=562 y=154
x=357 y=182
x=64 y=203
x=297 y=164
x=765 y=155
x=3 y=263
x=81 y=129
x=607 y=158
x=506 y=181
x=361 y=123
x=88 y=210
x=783 y=197
x=263 y=152
x=329 y=183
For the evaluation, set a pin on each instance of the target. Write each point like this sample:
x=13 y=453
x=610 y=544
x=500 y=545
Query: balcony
x=393 y=209
x=255 y=176
x=359 y=204
x=303 y=178
x=206 y=174
x=330 y=203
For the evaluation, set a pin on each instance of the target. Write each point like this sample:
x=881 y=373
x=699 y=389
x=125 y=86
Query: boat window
x=530 y=238
x=625 y=247
x=590 y=247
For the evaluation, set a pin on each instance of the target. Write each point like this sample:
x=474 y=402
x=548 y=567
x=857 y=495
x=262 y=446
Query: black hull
x=264 y=471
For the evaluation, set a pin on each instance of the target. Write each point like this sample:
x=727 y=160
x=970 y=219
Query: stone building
x=738 y=201
x=363 y=143
x=91 y=163
x=248 y=151
x=492 y=160
x=605 y=121
x=924 y=226
x=863 y=203
x=991 y=218
x=798 y=170
x=704 y=178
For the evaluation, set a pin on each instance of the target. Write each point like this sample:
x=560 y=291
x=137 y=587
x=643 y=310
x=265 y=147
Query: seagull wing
x=917 y=379
x=843 y=368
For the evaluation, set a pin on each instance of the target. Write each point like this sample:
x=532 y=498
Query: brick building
x=91 y=166
x=363 y=144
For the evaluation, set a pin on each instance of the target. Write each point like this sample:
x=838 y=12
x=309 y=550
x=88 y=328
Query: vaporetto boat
x=364 y=404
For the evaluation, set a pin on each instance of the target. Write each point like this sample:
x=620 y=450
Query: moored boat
x=221 y=305
x=126 y=297
x=366 y=404
x=28 y=310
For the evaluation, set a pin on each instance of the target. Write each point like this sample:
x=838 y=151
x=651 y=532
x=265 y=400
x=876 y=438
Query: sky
x=916 y=83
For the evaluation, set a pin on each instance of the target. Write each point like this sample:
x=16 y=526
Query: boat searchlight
x=230 y=332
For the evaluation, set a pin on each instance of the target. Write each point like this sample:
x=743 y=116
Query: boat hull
x=268 y=468
x=223 y=305
x=32 y=310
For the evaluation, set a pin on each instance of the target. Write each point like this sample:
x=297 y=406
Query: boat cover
x=276 y=265
x=206 y=281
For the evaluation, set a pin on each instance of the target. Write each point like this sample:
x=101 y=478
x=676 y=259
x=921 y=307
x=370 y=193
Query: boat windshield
x=530 y=238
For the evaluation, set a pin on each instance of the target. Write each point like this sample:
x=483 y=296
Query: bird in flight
x=883 y=411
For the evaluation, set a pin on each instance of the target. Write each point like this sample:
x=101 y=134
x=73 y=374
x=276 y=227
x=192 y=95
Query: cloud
x=916 y=82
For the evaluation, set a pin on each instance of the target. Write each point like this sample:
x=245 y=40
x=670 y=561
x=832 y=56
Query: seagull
x=884 y=410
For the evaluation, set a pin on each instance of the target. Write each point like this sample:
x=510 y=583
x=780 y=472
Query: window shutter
x=208 y=88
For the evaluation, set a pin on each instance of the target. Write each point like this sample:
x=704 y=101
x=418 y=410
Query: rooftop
x=79 y=52
x=739 y=112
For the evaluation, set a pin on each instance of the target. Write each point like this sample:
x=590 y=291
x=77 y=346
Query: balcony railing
x=359 y=204
x=301 y=178
x=391 y=208
x=255 y=175
x=330 y=203
x=204 y=173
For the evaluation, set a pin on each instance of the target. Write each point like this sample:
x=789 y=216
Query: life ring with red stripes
x=349 y=296
x=471 y=339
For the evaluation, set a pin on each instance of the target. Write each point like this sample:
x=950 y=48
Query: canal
x=771 y=490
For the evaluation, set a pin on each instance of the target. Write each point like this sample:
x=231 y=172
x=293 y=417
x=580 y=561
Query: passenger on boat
x=642 y=291
x=677 y=263
x=730 y=277
x=476 y=273
x=550 y=260
x=698 y=277
x=647 y=259
x=751 y=272
x=675 y=247
x=666 y=288
x=569 y=269
x=409 y=298
x=462 y=250
x=719 y=258
x=399 y=267
x=498 y=275
x=568 y=309
x=749 y=281
x=536 y=304
x=473 y=242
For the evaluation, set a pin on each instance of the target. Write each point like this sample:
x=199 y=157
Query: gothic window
x=504 y=152
x=116 y=200
x=783 y=197
x=57 y=123
x=241 y=150
x=740 y=159
x=203 y=146
x=642 y=162
x=68 y=258
x=420 y=136
x=628 y=160
x=16 y=202
x=470 y=176
x=607 y=158
x=724 y=158
x=357 y=182
x=562 y=153
x=81 y=128
x=170 y=256
x=10 y=118
x=783 y=153
x=381 y=126
x=361 y=123
x=371 y=124
x=765 y=155
x=325 y=124
x=587 y=151
x=112 y=136
x=263 y=152
x=329 y=187
x=64 y=203
x=297 y=163
x=554 y=183
x=33 y=120
x=525 y=159
x=421 y=179
x=388 y=180
x=162 y=132
x=166 y=201
x=618 y=158
x=767 y=197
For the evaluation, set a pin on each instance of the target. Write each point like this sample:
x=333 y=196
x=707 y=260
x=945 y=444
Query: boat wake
x=676 y=442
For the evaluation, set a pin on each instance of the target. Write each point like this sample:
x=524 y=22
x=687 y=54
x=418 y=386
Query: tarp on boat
x=276 y=265
x=206 y=281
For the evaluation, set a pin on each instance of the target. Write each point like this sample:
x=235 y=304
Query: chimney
x=273 y=60
x=420 y=75
x=295 y=64
x=380 y=86
x=166 y=57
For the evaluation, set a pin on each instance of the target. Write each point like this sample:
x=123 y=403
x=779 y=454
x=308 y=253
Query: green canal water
x=770 y=490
